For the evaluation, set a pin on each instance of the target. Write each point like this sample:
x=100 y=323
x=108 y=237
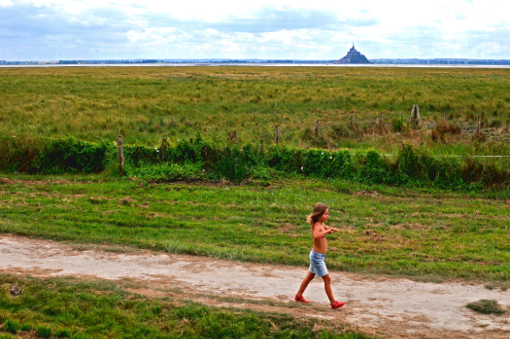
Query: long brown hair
x=318 y=210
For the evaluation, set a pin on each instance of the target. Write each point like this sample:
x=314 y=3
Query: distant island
x=353 y=57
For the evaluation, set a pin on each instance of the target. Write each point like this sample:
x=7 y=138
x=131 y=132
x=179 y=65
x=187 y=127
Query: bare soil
x=388 y=307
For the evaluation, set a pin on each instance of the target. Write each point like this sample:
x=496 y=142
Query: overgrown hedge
x=200 y=159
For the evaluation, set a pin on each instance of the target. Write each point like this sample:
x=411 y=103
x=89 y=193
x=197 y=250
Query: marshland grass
x=419 y=233
x=146 y=104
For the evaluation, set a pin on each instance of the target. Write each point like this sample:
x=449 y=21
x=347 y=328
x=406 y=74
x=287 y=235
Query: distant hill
x=353 y=57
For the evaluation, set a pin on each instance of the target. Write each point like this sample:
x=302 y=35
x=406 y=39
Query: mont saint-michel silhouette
x=353 y=57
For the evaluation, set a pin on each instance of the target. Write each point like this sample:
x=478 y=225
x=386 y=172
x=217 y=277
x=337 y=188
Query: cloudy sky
x=277 y=29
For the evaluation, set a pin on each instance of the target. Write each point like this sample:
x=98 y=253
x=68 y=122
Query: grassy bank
x=68 y=308
x=146 y=104
x=384 y=230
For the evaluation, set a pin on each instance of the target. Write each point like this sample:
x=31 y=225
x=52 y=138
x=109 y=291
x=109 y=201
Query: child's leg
x=327 y=287
x=304 y=284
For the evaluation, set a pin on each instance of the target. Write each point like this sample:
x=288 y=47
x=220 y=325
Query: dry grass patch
x=409 y=226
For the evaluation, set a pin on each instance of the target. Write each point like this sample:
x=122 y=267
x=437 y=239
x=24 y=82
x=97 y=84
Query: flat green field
x=146 y=104
x=426 y=235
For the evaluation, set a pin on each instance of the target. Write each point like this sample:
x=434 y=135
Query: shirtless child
x=318 y=254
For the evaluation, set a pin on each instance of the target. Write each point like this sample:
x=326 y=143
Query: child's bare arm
x=320 y=231
x=331 y=228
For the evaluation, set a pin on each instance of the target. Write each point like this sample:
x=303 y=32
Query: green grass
x=418 y=233
x=146 y=104
x=69 y=308
x=486 y=306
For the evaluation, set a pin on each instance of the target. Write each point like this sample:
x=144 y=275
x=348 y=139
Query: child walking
x=318 y=254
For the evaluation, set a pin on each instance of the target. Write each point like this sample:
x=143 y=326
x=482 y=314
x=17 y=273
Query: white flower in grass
x=322 y=152
x=157 y=151
x=330 y=158
x=301 y=167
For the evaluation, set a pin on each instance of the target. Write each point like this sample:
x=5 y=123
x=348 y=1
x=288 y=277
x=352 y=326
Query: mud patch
x=5 y=181
x=366 y=193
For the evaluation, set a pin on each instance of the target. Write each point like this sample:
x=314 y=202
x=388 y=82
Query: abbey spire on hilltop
x=353 y=57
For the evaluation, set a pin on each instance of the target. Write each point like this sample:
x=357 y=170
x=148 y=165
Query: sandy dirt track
x=398 y=308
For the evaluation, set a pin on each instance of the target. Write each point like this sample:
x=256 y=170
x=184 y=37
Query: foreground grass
x=146 y=104
x=417 y=233
x=69 y=308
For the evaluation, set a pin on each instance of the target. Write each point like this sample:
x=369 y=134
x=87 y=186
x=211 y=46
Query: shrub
x=164 y=172
x=43 y=332
x=486 y=306
x=442 y=130
x=284 y=158
x=63 y=333
x=478 y=137
x=411 y=166
x=11 y=326
x=445 y=173
x=200 y=160
x=52 y=155
x=399 y=124
x=342 y=166
x=374 y=170
x=339 y=131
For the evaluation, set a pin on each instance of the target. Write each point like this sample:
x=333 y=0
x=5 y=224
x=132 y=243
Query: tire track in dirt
x=398 y=308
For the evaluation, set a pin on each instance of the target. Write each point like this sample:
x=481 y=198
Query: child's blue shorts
x=318 y=264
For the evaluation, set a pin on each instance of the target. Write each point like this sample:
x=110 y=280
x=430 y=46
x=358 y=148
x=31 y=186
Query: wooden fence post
x=415 y=115
x=162 y=149
x=317 y=128
x=235 y=136
x=120 y=147
x=277 y=135
x=445 y=116
x=478 y=125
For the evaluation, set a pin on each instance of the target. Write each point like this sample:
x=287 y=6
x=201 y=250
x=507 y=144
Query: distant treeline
x=266 y=61
x=145 y=61
x=441 y=61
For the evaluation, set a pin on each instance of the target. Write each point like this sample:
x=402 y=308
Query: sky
x=277 y=29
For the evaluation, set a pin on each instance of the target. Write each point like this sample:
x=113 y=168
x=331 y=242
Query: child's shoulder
x=317 y=224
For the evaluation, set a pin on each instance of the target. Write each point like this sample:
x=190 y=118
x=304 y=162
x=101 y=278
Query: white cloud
x=321 y=29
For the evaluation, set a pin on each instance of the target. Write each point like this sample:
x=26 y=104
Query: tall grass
x=147 y=104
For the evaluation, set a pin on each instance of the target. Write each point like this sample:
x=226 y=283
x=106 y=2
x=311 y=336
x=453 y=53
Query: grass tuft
x=486 y=306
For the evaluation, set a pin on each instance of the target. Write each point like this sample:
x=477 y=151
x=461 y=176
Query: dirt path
x=398 y=308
